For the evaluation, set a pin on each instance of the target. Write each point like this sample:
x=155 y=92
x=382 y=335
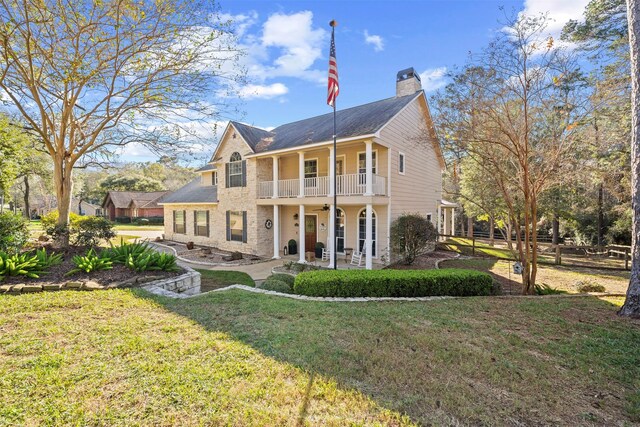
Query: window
x=401 y=163
x=214 y=178
x=235 y=171
x=340 y=230
x=237 y=226
x=362 y=162
x=179 y=225
x=311 y=168
x=201 y=223
x=362 y=230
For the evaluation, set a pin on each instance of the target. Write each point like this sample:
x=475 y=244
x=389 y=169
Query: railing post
x=369 y=168
x=558 y=255
x=626 y=259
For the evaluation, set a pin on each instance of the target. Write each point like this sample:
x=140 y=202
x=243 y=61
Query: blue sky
x=287 y=43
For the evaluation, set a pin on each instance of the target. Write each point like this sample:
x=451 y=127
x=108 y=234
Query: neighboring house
x=43 y=205
x=263 y=188
x=132 y=204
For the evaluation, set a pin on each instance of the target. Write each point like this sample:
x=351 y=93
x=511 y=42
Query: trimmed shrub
x=412 y=235
x=276 y=286
x=393 y=283
x=149 y=220
x=287 y=278
x=14 y=233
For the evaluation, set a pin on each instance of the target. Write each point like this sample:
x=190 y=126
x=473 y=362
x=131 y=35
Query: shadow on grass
x=469 y=361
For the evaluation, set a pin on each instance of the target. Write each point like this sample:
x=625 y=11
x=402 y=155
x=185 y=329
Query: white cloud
x=239 y=23
x=560 y=12
x=252 y=91
x=433 y=78
x=375 y=40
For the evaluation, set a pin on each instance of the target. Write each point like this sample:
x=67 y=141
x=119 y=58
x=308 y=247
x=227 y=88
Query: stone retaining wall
x=183 y=286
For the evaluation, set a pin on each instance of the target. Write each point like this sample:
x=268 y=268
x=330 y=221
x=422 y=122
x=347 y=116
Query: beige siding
x=420 y=188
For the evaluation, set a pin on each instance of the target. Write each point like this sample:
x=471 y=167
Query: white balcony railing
x=346 y=185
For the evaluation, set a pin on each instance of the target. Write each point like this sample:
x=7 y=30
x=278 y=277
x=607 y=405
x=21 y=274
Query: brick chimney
x=407 y=82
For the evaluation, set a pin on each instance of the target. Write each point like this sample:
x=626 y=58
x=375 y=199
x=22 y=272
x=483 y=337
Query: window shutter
x=195 y=223
x=244 y=173
x=244 y=226
x=174 y=221
x=226 y=173
x=208 y=233
x=228 y=226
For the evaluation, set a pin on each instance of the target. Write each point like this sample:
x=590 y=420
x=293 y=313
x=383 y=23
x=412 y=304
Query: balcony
x=346 y=185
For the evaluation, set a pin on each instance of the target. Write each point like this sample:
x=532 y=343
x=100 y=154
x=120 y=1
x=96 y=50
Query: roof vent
x=407 y=82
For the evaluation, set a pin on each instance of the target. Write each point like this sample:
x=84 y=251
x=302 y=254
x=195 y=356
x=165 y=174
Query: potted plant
x=293 y=247
x=319 y=248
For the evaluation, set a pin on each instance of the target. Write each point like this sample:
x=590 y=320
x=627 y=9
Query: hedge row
x=393 y=283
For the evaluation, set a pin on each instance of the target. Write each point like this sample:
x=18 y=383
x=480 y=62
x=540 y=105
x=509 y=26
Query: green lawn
x=561 y=277
x=215 y=279
x=124 y=357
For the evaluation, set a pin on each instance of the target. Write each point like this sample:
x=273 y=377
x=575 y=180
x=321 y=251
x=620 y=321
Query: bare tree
x=514 y=111
x=89 y=77
x=631 y=305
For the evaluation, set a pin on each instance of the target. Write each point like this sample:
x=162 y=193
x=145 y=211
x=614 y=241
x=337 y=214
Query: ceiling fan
x=322 y=209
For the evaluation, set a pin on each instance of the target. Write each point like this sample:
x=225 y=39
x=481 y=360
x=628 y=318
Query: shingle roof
x=252 y=135
x=193 y=192
x=206 y=168
x=122 y=199
x=356 y=121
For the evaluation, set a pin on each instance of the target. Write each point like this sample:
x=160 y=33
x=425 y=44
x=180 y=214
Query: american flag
x=333 y=88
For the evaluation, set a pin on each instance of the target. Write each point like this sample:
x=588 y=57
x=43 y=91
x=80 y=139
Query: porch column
x=331 y=235
x=301 y=233
x=369 y=168
x=332 y=163
x=276 y=176
x=276 y=232
x=453 y=221
x=368 y=243
x=439 y=222
x=301 y=174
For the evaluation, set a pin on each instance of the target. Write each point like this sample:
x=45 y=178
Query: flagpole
x=333 y=24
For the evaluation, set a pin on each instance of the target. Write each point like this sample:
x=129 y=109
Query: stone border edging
x=183 y=286
x=437 y=263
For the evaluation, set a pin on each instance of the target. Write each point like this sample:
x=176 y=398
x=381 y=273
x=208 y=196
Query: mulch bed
x=216 y=255
x=57 y=274
x=426 y=261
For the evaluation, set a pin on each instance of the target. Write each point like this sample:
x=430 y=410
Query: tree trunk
x=600 y=214
x=62 y=178
x=469 y=227
x=491 y=231
x=27 y=207
x=631 y=305
x=555 y=227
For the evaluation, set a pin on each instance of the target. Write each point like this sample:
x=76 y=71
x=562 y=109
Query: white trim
x=344 y=163
x=344 y=239
x=308 y=146
x=187 y=203
x=375 y=163
x=403 y=163
x=222 y=139
x=375 y=216
x=215 y=181
x=310 y=159
x=305 y=230
x=377 y=134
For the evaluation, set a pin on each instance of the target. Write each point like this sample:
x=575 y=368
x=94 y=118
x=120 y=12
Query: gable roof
x=356 y=121
x=141 y=199
x=193 y=192
x=206 y=168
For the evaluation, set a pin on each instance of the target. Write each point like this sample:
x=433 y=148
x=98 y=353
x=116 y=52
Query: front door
x=310 y=235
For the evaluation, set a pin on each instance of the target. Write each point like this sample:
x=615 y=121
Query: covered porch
x=359 y=228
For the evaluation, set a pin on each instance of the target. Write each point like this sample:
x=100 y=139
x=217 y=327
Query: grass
x=215 y=279
x=123 y=357
x=120 y=238
x=561 y=277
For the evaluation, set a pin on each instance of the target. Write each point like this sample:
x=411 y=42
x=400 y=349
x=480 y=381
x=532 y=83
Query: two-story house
x=262 y=188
